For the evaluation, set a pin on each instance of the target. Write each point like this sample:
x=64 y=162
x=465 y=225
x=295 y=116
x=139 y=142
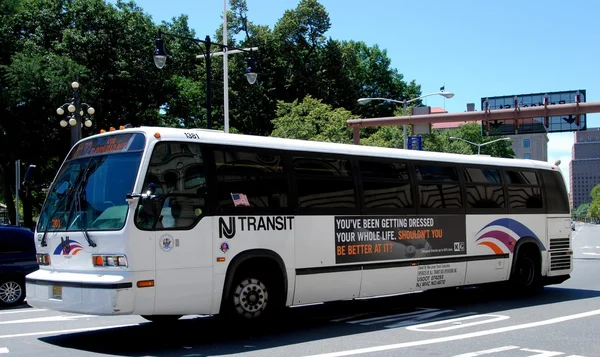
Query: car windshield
x=90 y=190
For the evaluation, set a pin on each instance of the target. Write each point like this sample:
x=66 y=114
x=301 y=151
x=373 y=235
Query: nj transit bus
x=167 y=222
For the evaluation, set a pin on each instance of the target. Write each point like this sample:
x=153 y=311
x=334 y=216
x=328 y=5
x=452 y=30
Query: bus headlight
x=109 y=260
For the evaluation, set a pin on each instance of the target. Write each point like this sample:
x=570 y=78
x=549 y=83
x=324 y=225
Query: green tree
x=594 y=209
x=439 y=140
x=310 y=119
x=46 y=45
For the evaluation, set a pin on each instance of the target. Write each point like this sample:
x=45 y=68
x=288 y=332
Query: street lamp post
x=74 y=119
x=404 y=103
x=479 y=145
x=160 y=59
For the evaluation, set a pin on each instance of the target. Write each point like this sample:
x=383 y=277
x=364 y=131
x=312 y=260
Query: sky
x=474 y=48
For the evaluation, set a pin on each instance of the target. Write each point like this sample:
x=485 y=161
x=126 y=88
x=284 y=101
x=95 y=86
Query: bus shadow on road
x=206 y=336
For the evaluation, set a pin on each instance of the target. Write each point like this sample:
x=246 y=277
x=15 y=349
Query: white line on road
x=3 y=350
x=458 y=337
x=21 y=311
x=65 y=331
x=487 y=352
x=46 y=319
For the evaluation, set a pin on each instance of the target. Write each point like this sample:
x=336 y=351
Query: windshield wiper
x=80 y=194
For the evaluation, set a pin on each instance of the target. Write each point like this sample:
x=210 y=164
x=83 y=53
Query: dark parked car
x=17 y=259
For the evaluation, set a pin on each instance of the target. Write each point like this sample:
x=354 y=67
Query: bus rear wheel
x=526 y=277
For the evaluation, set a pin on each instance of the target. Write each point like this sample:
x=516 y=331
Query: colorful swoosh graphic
x=504 y=235
x=68 y=247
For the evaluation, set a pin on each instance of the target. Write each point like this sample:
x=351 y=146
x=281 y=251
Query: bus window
x=181 y=204
x=386 y=186
x=438 y=187
x=249 y=180
x=484 y=189
x=524 y=192
x=324 y=183
x=557 y=198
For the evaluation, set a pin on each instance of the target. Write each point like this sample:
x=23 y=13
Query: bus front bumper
x=94 y=294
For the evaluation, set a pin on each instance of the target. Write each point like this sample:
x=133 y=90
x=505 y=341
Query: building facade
x=530 y=146
x=584 y=169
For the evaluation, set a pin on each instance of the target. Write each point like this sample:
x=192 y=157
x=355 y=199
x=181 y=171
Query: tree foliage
x=308 y=82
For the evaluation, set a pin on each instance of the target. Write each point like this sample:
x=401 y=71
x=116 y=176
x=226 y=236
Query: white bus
x=167 y=222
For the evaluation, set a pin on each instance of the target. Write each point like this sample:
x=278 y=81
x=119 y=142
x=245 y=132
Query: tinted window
x=324 y=183
x=514 y=177
x=484 y=189
x=556 y=192
x=250 y=179
x=383 y=170
x=436 y=173
x=482 y=175
x=177 y=172
x=444 y=193
x=523 y=190
x=385 y=185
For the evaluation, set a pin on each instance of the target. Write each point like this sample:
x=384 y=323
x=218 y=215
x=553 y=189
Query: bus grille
x=560 y=257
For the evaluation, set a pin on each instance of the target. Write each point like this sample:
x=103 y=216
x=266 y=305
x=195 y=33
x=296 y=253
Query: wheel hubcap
x=250 y=298
x=10 y=292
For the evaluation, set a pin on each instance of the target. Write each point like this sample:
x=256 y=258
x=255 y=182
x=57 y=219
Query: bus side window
x=386 y=186
x=177 y=169
x=250 y=181
x=524 y=191
x=439 y=187
x=485 y=192
x=324 y=183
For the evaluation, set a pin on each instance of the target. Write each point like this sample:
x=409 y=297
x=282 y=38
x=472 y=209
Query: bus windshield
x=90 y=190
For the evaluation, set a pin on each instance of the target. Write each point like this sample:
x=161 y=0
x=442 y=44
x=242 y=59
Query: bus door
x=183 y=280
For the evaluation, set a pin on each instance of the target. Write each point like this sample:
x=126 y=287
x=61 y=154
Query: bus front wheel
x=253 y=296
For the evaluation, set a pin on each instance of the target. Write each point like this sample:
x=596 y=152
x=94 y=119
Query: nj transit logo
x=68 y=247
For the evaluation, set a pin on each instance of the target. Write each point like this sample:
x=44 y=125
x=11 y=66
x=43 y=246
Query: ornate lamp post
x=76 y=115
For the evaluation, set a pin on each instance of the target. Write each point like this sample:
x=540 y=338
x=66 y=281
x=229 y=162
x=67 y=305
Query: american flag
x=239 y=199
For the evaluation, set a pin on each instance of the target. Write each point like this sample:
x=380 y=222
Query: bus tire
x=254 y=296
x=526 y=276
x=161 y=319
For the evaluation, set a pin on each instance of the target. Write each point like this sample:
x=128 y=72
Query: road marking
x=45 y=319
x=458 y=337
x=590 y=253
x=406 y=318
x=541 y=353
x=456 y=323
x=21 y=311
x=3 y=350
x=65 y=331
x=487 y=352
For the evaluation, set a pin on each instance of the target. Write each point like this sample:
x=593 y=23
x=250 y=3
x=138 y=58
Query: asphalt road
x=563 y=320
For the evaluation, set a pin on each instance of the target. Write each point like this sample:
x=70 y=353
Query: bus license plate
x=57 y=292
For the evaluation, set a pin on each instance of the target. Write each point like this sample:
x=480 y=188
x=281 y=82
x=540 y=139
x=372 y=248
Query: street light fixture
x=74 y=119
x=363 y=101
x=160 y=59
x=480 y=145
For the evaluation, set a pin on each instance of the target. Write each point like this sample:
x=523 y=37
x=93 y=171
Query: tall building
x=585 y=165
